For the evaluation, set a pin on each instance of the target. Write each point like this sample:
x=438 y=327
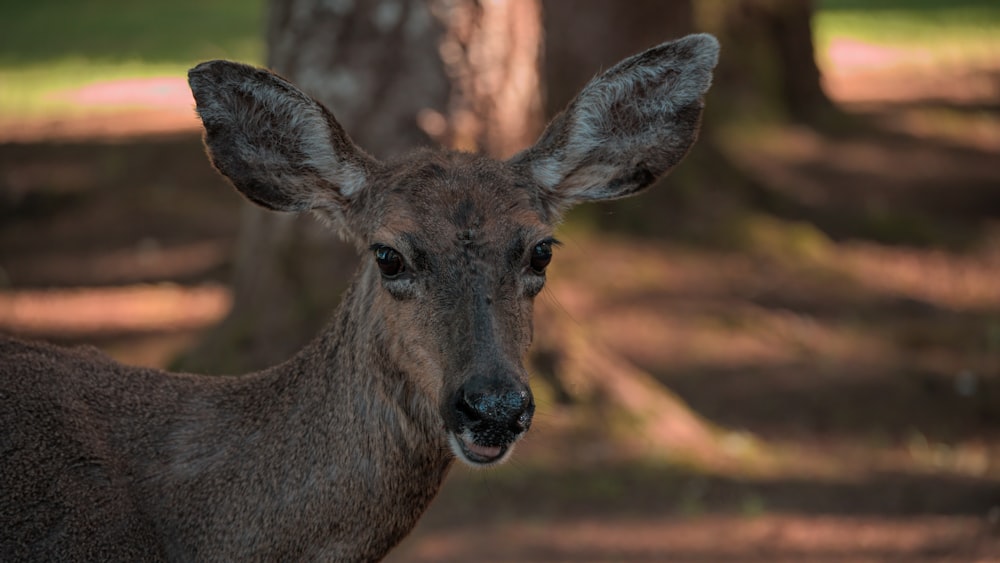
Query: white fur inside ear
x=350 y=178
x=548 y=172
x=315 y=142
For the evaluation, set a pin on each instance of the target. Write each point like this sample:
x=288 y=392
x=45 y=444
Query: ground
x=846 y=347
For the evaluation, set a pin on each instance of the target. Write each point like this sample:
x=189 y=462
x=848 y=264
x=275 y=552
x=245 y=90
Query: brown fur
x=334 y=454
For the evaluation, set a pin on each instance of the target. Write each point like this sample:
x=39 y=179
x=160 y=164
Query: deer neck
x=337 y=435
x=368 y=394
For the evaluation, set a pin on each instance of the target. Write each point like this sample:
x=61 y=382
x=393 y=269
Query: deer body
x=334 y=454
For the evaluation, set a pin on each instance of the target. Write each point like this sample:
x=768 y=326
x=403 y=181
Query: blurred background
x=789 y=350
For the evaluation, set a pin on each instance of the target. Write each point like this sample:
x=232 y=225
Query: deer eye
x=389 y=261
x=541 y=255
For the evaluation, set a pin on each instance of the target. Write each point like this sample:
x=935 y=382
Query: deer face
x=458 y=251
x=458 y=243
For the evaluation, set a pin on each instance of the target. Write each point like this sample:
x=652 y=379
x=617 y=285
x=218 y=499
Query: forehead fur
x=446 y=194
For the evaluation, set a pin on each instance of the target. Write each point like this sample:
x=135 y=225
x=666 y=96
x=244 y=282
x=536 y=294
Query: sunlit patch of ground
x=97 y=311
x=122 y=124
x=145 y=260
x=111 y=109
x=856 y=72
x=143 y=325
x=849 y=55
x=161 y=93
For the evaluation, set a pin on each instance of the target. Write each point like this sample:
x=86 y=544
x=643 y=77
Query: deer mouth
x=467 y=449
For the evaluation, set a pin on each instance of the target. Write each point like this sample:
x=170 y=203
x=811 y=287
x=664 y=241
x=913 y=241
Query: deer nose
x=512 y=407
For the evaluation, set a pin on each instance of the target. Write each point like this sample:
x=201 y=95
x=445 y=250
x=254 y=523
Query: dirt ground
x=852 y=343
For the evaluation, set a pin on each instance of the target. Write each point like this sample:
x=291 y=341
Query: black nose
x=511 y=408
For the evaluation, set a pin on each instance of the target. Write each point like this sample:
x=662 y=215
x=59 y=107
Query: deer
x=334 y=454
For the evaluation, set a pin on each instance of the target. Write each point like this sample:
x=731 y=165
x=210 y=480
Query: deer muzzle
x=488 y=416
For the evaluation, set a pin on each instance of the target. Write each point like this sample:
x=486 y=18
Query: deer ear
x=626 y=128
x=279 y=147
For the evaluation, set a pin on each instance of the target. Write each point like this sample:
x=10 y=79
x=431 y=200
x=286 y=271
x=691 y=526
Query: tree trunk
x=768 y=68
x=791 y=29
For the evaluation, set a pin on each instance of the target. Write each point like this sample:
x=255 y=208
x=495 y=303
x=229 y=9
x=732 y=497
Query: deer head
x=458 y=242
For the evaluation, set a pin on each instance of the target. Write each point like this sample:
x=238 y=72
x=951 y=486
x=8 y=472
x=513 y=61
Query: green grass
x=965 y=29
x=122 y=30
x=47 y=46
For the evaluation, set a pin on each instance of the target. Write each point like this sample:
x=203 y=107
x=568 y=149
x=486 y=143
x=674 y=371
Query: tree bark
x=374 y=63
x=791 y=29
x=492 y=52
x=768 y=67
